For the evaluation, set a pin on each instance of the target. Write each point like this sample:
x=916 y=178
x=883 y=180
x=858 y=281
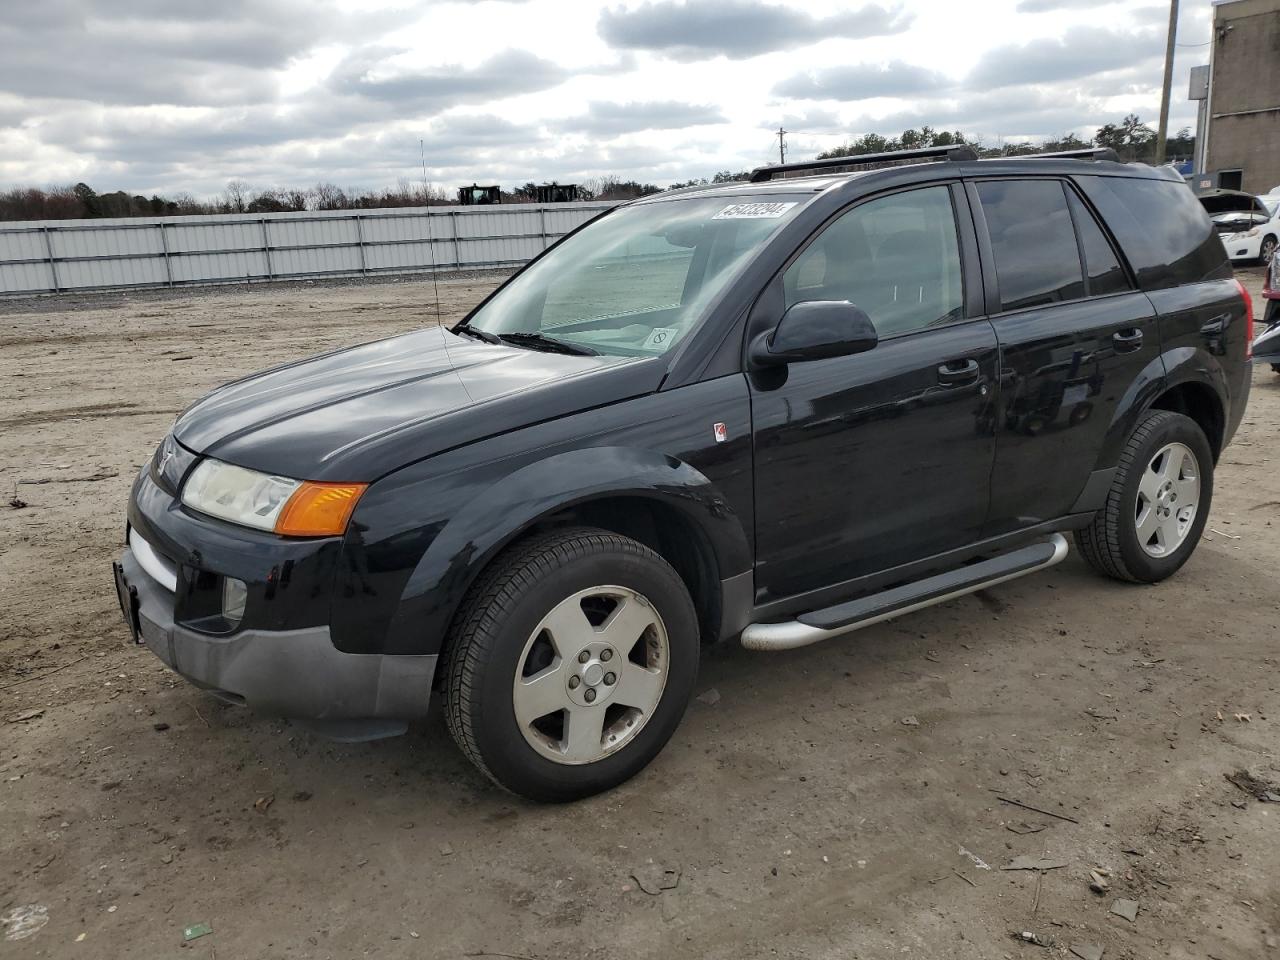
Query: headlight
x=298 y=508
x=1253 y=233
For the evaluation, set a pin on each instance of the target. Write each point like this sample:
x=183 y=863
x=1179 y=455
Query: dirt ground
x=843 y=801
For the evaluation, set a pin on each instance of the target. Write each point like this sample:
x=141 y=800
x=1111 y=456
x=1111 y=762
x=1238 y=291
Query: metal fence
x=56 y=256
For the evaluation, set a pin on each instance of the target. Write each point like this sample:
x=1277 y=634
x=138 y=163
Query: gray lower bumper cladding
x=291 y=673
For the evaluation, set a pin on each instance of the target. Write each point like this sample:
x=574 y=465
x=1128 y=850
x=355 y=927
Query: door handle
x=1127 y=341
x=958 y=373
x=1214 y=327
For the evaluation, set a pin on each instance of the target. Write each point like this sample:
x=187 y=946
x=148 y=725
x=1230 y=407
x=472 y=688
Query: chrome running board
x=846 y=617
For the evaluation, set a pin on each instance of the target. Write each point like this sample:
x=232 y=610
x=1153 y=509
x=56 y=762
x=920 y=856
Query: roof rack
x=957 y=152
x=1092 y=153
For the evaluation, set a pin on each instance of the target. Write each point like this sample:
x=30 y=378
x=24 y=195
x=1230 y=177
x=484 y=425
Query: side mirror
x=816 y=330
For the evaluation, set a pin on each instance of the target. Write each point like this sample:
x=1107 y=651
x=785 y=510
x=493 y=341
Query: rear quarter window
x=1161 y=227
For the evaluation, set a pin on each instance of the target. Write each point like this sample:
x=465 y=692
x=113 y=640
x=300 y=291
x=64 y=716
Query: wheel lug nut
x=606 y=654
x=590 y=695
x=574 y=682
x=610 y=679
x=584 y=656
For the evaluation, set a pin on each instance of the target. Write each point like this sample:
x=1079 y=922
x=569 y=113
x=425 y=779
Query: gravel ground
x=845 y=800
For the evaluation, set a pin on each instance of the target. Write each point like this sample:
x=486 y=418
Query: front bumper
x=294 y=673
x=1242 y=248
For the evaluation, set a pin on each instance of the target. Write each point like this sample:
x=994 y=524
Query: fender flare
x=1172 y=368
x=506 y=509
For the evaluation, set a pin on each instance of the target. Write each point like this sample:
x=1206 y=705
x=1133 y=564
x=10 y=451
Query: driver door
x=868 y=461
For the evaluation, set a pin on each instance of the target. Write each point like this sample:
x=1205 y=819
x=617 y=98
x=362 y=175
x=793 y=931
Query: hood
x=1233 y=211
x=357 y=414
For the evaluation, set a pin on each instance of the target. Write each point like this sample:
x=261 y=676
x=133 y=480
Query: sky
x=185 y=95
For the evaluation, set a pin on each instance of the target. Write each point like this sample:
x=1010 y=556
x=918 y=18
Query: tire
x=1267 y=250
x=1112 y=543
x=509 y=658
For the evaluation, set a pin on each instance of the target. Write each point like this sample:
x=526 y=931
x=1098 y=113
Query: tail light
x=1248 y=319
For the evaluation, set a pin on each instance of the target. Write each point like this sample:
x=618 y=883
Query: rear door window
x=1033 y=241
x=1102 y=266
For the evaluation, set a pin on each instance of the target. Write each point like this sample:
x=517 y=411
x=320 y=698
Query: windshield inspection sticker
x=659 y=337
x=753 y=211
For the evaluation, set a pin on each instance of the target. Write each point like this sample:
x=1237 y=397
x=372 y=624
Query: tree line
x=1130 y=138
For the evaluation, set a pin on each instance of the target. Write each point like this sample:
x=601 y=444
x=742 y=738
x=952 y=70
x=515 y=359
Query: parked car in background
x=774 y=411
x=1249 y=226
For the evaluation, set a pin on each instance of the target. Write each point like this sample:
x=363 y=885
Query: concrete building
x=1243 y=107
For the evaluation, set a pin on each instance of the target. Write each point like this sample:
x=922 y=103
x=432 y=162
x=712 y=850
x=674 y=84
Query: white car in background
x=1249 y=226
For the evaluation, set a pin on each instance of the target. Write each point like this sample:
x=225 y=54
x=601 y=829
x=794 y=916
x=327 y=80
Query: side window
x=1033 y=242
x=1165 y=233
x=898 y=258
x=1102 y=266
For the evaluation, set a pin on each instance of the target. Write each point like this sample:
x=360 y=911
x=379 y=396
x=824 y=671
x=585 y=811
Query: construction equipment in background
x=557 y=193
x=475 y=195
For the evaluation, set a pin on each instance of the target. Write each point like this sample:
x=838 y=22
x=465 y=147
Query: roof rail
x=1091 y=153
x=960 y=151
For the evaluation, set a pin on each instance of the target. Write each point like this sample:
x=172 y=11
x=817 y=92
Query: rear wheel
x=1158 y=502
x=571 y=665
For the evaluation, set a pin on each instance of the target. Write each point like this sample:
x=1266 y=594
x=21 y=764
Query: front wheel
x=572 y=662
x=1158 y=502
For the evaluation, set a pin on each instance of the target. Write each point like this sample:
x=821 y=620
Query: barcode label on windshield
x=753 y=211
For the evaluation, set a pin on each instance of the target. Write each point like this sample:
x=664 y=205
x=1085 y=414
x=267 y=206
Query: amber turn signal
x=319 y=509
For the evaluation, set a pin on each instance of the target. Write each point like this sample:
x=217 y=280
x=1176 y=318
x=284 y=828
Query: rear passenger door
x=1074 y=336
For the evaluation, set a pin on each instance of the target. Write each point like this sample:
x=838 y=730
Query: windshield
x=635 y=282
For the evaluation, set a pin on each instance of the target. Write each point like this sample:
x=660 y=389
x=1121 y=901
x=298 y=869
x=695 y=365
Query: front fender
x=503 y=511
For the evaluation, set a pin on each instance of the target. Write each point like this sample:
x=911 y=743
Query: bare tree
x=237 y=196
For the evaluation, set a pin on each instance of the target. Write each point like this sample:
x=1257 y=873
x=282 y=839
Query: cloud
x=1079 y=52
x=860 y=81
x=736 y=29
x=811 y=122
x=1049 y=6
x=605 y=118
x=509 y=73
x=133 y=52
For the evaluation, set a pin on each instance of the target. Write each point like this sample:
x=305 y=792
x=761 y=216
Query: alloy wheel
x=1168 y=497
x=591 y=674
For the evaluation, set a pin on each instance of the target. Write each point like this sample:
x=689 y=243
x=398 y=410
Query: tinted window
x=1102 y=267
x=1164 y=232
x=897 y=258
x=1033 y=242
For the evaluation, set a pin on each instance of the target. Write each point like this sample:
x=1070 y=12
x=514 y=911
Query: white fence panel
x=26 y=277
x=58 y=255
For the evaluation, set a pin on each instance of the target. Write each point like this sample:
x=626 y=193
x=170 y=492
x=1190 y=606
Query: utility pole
x=422 y=155
x=1162 y=130
x=782 y=145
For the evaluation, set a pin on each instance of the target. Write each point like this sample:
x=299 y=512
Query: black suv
x=775 y=410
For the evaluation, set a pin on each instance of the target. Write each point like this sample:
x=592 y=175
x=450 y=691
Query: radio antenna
x=431 y=240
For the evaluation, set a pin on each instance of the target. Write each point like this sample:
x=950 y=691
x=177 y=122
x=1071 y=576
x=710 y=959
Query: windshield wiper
x=470 y=331
x=540 y=341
